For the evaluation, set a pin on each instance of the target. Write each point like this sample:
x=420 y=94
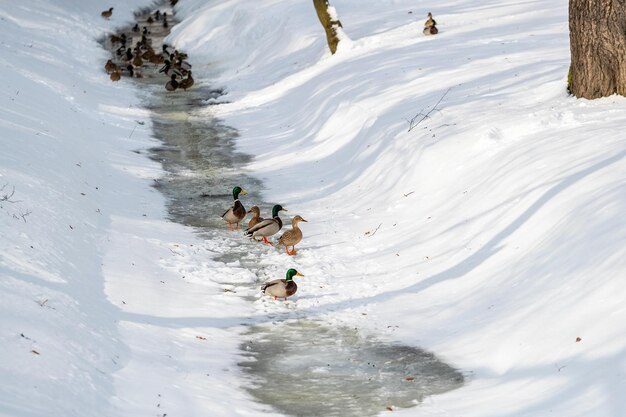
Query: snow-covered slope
x=94 y=317
x=492 y=233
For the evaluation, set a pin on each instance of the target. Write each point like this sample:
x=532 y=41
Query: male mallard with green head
x=267 y=227
x=292 y=237
x=282 y=288
x=237 y=212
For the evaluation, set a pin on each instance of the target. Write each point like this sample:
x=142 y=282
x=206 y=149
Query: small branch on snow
x=7 y=196
x=413 y=123
x=22 y=215
x=558 y=368
x=176 y=253
x=370 y=234
x=135 y=127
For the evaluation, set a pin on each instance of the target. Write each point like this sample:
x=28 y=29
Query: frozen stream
x=294 y=365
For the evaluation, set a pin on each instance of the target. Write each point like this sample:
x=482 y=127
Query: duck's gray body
x=266 y=228
x=280 y=288
x=235 y=214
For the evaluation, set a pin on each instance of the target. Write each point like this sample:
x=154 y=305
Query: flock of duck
x=132 y=58
x=174 y=65
x=259 y=227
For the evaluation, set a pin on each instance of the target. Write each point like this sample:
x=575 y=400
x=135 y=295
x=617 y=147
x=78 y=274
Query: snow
x=491 y=234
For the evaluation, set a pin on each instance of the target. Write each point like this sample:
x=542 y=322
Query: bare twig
x=22 y=215
x=135 y=127
x=370 y=234
x=7 y=196
x=413 y=123
x=176 y=253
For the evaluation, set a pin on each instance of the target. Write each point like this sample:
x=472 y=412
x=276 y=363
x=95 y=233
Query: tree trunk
x=330 y=25
x=598 y=47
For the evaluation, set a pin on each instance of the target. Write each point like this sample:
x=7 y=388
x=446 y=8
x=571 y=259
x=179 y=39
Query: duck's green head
x=238 y=190
x=291 y=273
x=276 y=209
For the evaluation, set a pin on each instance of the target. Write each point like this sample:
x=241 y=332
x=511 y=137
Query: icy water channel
x=295 y=366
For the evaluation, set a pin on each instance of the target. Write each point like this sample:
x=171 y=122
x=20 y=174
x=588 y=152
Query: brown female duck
x=107 y=13
x=256 y=216
x=292 y=237
x=187 y=82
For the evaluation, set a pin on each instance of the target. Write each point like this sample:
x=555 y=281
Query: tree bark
x=598 y=47
x=330 y=25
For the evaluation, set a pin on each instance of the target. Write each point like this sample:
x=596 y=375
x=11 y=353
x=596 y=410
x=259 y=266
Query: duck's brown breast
x=291 y=288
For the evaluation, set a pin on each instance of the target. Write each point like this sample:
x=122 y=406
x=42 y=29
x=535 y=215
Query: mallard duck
x=267 y=227
x=187 y=82
x=256 y=216
x=107 y=13
x=237 y=212
x=292 y=237
x=181 y=63
x=137 y=61
x=431 y=31
x=180 y=55
x=166 y=66
x=165 y=49
x=110 y=67
x=172 y=84
x=148 y=54
x=150 y=20
x=115 y=76
x=157 y=59
x=282 y=288
x=430 y=22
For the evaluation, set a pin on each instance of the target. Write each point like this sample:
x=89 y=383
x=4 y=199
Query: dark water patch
x=309 y=369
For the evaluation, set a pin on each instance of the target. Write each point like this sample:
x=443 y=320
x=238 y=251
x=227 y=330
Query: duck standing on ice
x=237 y=212
x=292 y=237
x=267 y=227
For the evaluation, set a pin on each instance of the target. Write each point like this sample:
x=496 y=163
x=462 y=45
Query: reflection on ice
x=309 y=369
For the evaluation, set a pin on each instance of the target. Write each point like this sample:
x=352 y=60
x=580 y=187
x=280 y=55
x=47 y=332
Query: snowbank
x=491 y=233
x=95 y=319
